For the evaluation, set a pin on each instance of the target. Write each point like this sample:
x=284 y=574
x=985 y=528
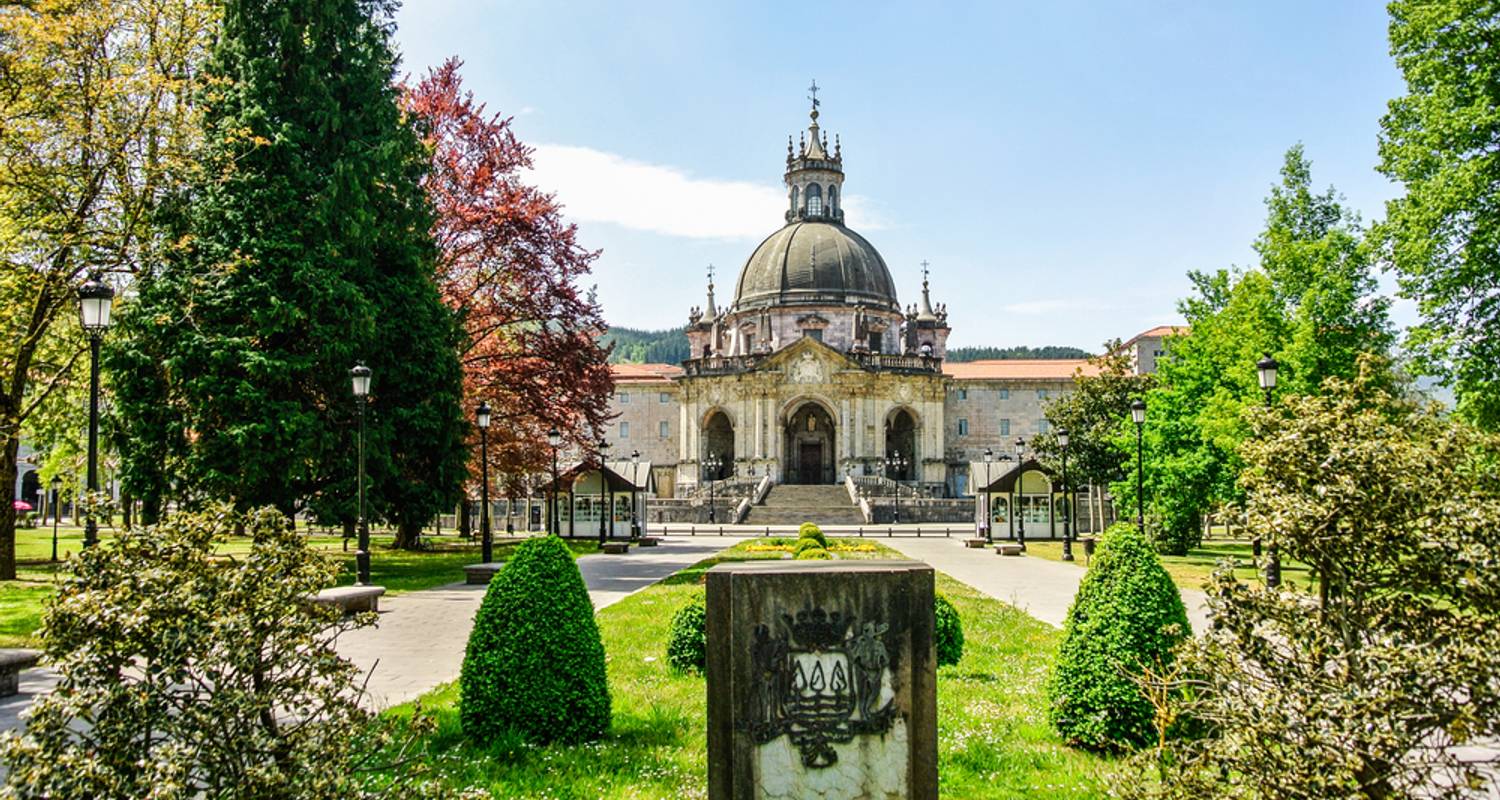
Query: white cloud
x=595 y=186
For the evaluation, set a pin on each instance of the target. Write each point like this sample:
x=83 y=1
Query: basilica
x=814 y=371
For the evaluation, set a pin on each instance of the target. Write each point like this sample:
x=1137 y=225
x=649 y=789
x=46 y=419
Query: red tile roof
x=1160 y=331
x=644 y=373
x=1018 y=369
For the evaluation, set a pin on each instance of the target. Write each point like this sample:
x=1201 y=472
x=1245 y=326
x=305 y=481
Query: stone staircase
x=794 y=505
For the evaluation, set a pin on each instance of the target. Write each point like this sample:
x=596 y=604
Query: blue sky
x=1060 y=164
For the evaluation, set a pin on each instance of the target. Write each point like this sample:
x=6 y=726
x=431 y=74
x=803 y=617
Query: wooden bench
x=649 y=541
x=12 y=661
x=480 y=574
x=975 y=542
x=1009 y=549
x=351 y=599
x=615 y=548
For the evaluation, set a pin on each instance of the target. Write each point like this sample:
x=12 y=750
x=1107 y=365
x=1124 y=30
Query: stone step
x=794 y=505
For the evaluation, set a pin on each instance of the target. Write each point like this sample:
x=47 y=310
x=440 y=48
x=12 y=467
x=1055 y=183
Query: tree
x=185 y=674
x=510 y=263
x=304 y=249
x=1365 y=685
x=95 y=128
x=1443 y=236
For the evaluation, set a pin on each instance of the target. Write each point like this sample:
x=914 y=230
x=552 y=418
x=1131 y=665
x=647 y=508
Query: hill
x=1017 y=352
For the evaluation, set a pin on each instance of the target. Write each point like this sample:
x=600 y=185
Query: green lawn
x=1192 y=570
x=22 y=600
x=994 y=741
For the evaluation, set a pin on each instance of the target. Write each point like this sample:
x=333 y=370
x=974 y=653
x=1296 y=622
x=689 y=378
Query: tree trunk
x=464 y=523
x=408 y=535
x=8 y=455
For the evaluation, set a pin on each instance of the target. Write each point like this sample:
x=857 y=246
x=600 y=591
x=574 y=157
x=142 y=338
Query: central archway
x=901 y=440
x=810 y=457
x=718 y=441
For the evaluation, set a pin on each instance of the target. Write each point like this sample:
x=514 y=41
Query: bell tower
x=814 y=176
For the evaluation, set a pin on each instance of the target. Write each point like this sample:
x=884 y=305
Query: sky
x=1061 y=165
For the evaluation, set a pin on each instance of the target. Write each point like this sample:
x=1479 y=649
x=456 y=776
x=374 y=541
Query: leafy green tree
x=304 y=249
x=1440 y=140
x=1366 y=684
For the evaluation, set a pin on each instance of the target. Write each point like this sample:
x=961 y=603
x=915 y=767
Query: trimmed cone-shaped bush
x=1127 y=615
x=535 y=663
x=813 y=532
x=948 y=632
x=814 y=554
x=804 y=545
x=687 y=638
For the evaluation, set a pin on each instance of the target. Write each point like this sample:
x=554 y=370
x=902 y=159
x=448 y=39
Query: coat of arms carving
x=821 y=680
x=807 y=369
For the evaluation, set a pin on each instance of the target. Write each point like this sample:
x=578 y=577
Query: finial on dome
x=925 y=313
x=709 y=312
x=838 y=147
x=814 y=98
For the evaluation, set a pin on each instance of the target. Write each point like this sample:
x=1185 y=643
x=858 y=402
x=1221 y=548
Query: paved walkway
x=1038 y=586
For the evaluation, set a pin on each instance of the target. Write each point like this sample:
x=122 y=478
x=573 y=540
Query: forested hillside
x=1020 y=351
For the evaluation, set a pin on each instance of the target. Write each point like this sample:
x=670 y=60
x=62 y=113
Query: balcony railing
x=875 y=362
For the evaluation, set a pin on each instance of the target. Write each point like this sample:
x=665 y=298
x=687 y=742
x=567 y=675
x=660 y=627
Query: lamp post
x=603 y=490
x=711 y=466
x=1062 y=442
x=1020 y=493
x=56 y=511
x=1266 y=372
x=486 y=545
x=359 y=376
x=896 y=463
x=1138 y=415
x=554 y=440
x=989 y=514
x=635 y=477
x=95 y=302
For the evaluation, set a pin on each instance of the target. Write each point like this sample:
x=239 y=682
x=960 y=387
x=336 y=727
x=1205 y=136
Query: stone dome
x=815 y=263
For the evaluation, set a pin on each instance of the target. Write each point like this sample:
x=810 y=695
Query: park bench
x=649 y=541
x=1009 y=549
x=975 y=542
x=351 y=599
x=615 y=548
x=480 y=574
x=12 y=661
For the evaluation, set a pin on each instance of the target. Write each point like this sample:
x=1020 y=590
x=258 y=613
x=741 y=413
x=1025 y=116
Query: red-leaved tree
x=513 y=265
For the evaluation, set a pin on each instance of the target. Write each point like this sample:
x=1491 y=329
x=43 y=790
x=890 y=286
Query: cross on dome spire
x=814 y=98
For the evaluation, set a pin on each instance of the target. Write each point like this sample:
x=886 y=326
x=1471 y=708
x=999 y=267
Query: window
x=749 y=342
x=815 y=334
x=1004 y=427
x=963 y=427
x=624 y=430
x=664 y=430
x=666 y=397
x=796 y=195
x=624 y=397
x=833 y=197
x=1004 y=394
x=1041 y=394
x=963 y=394
x=874 y=342
x=814 y=199
x=1042 y=426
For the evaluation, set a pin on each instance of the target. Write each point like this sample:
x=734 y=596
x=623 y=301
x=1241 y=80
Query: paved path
x=1041 y=588
x=420 y=639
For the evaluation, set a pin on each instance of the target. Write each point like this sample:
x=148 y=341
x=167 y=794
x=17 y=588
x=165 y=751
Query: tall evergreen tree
x=305 y=250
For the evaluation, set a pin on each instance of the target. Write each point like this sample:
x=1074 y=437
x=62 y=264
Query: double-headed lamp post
x=896 y=463
x=95 y=302
x=1020 y=493
x=359 y=376
x=989 y=513
x=1138 y=416
x=482 y=416
x=1062 y=443
x=604 y=502
x=56 y=511
x=554 y=440
x=711 y=467
x=1266 y=372
x=635 y=469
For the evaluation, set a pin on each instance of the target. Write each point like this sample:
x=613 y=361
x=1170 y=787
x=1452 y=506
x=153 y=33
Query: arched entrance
x=809 y=446
x=901 y=438
x=718 y=441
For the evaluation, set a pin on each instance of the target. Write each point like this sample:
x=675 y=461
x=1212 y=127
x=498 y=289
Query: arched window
x=814 y=199
x=833 y=198
x=796 y=195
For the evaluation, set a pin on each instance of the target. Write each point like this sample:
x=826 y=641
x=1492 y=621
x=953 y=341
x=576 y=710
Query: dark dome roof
x=822 y=263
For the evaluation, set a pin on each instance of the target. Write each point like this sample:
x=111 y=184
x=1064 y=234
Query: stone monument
x=821 y=681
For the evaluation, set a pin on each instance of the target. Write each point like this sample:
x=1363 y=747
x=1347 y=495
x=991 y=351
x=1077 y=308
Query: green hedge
x=814 y=554
x=1127 y=614
x=535 y=663
x=686 y=639
x=813 y=532
x=803 y=545
x=948 y=632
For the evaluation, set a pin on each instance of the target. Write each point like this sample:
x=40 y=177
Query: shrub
x=1127 y=617
x=687 y=649
x=814 y=554
x=947 y=632
x=535 y=662
x=176 y=666
x=811 y=531
x=807 y=544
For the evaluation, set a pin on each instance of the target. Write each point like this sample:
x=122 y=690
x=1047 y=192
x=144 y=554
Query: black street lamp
x=554 y=440
x=1021 y=493
x=989 y=513
x=1062 y=442
x=359 y=376
x=486 y=545
x=1138 y=415
x=711 y=466
x=95 y=302
x=603 y=486
x=56 y=511
x=1266 y=372
x=896 y=463
x=635 y=477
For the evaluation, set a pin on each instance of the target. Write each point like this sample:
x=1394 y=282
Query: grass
x=1192 y=570
x=399 y=571
x=994 y=741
